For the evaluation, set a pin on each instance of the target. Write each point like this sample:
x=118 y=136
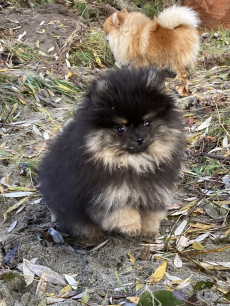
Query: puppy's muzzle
x=140 y=144
x=140 y=140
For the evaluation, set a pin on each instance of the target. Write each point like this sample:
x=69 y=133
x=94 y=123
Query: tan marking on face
x=162 y=148
x=103 y=147
x=149 y=116
x=121 y=121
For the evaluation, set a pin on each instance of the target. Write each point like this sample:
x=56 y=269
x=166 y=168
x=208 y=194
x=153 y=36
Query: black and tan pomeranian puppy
x=114 y=166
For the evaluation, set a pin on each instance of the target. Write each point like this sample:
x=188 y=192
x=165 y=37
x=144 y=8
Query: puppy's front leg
x=126 y=220
x=180 y=73
x=150 y=222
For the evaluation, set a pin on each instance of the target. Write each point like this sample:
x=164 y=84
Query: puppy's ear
x=101 y=85
x=124 y=11
x=118 y=18
x=155 y=78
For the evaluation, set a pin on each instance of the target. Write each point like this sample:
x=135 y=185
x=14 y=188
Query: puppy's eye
x=147 y=123
x=121 y=129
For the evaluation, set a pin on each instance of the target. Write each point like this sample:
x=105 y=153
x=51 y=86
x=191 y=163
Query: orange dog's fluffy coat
x=170 y=40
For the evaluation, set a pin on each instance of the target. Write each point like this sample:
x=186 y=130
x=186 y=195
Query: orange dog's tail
x=175 y=16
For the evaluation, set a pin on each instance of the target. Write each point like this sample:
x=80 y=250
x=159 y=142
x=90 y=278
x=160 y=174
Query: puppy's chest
x=138 y=192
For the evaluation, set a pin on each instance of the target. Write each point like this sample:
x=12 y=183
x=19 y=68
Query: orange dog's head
x=114 y=21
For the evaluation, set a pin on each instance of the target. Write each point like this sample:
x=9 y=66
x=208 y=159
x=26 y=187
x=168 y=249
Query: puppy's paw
x=132 y=229
x=151 y=223
x=88 y=231
x=148 y=233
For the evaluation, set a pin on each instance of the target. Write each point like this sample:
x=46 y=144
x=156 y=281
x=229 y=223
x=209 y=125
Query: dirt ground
x=25 y=138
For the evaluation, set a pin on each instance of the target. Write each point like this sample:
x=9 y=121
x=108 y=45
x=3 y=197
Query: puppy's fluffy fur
x=113 y=167
x=170 y=40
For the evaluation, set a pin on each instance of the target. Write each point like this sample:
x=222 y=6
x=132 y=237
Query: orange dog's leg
x=180 y=73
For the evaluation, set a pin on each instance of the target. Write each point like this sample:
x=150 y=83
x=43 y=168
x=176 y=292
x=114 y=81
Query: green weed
x=92 y=52
x=86 y=10
x=216 y=42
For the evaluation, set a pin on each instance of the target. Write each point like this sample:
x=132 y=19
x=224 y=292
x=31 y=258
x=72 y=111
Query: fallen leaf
x=41 y=287
x=159 y=298
x=3 y=272
x=50 y=49
x=227 y=296
x=21 y=35
x=46 y=135
x=66 y=289
x=209 y=251
x=177 y=261
x=22 y=101
x=179 y=230
x=14 y=207
x=1 y=189
x=36 y=130
x=181 y=90
x=65 y=295
x=99 y=246
x=133 y=299
x=85 y=296
x=105 y=301
x=57 y=237
x=69 y=74
x=182 y=242
x=205 y=124
x=12 y=226
x=11 y=255
x=20 y=209
x=51 y=300
x=79 y=295
x=3 y=303
x=139 y=285
x=225 y=141
x=145 y=253
x=185 y=283
x=157 y=247
x=17 y=194
x=28 y=275
x=98 y=60
x=43 y=302
x=225 y=264
x=202 y=285
x=212 y=211
x=51 y=276
x=131 y=258
x=71 y=281
x=202 y=225
x=197 y=246
x=9 y=276
x=172 y=277
x=213 y=266
x=159 y=273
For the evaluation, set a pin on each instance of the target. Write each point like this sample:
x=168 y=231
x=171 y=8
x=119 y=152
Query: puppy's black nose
x=140 y=140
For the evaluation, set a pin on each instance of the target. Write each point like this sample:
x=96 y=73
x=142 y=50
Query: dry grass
x=92 y=52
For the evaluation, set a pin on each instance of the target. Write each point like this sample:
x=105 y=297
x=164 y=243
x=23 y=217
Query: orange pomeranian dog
x=169 y=41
